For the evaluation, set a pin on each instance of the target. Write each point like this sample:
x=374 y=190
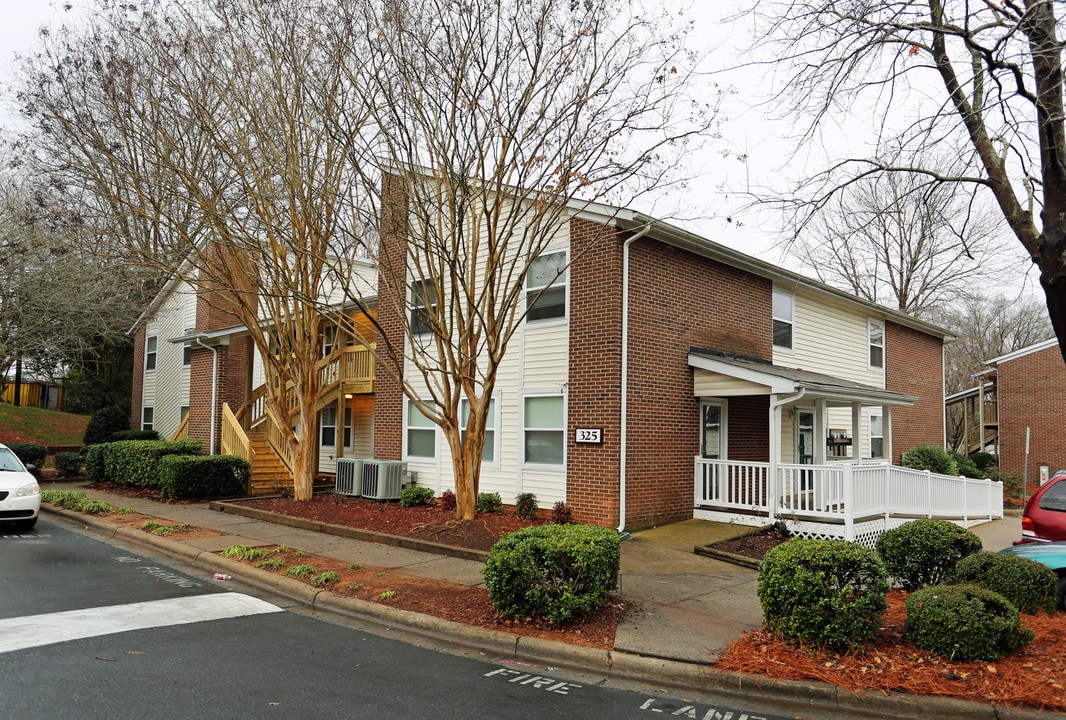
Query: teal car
x=1051 y=554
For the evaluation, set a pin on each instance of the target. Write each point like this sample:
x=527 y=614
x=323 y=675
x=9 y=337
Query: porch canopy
x=717 y=374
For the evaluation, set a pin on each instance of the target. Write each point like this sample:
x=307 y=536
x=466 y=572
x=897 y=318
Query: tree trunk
x=305 y=451
x=466 y=459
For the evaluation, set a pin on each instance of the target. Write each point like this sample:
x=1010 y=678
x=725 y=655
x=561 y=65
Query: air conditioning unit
x=382 y=479
x=349 y=477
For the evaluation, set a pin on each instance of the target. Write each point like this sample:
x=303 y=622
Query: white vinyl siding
x=166 y=389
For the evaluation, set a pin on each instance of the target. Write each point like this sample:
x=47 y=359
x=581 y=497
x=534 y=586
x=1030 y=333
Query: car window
x=1054 y=498
x=9 y=462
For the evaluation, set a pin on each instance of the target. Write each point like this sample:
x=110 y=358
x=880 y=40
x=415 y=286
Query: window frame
x=537 y=292
x=494 y=419
x=871 y=437
x=151 y=353
x=526 y=429
x=409 y=409
x=420 y=316
x=148 y=417
x=323 y=425
x=186 y=354
x=790 y=321
x=871 y=345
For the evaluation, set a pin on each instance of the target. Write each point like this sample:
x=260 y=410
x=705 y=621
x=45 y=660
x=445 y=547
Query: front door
x=712 y=443
x=805 y=445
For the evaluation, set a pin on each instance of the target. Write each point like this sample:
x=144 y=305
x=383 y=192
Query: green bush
x=489 y=502
x=525 y=506
x=94 y=462
x=134 y=435
x=68 y=464
x=1028 y=585
x=136 y=462
x=29 y=453
x=104 y=423
x=552 y=571
x=415 y=495
x=966 y=466
x=185 y=476
x=984 y=461
x=925 y=552
x=930 y=457
x=823 y=592
x=964 y=622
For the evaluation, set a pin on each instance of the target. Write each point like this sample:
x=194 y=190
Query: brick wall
x=388 y=397
x=677 y=300
x=137 y=392
x=914 y=366
x=1032 y=394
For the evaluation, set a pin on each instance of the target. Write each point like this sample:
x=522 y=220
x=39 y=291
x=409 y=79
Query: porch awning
x=719 y=375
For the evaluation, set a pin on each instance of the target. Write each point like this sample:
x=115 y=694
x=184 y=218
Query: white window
x=423 y=306
x=783 y=314
x=877 y=345
x=421 y=433
x=149 y=353
x=713 y=430
x=329 y=340
x=328 y=426
x=877 y=435
x=347 y=427
x=545 y=430
x=546 y=287
x=488 y=453
x=186 y=354
x=148 y=418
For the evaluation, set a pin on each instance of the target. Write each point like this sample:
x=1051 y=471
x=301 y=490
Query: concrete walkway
x=689 y=607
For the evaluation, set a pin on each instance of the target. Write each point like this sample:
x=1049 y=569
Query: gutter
x=625 y=378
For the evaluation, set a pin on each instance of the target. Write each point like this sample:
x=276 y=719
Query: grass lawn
x=47 y=427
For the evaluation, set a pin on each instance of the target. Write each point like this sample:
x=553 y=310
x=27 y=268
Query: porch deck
x=854 y=501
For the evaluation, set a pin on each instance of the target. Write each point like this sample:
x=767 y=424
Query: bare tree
x=495 y=122
x=201 y=129
x=983 y=78
x=897 y=241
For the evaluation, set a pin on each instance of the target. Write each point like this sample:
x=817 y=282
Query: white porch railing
x=850 y=501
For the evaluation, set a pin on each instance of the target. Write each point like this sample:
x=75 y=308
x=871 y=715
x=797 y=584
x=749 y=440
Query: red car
x=1044 y=517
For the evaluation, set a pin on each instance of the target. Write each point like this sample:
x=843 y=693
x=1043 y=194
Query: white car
x=20 y=495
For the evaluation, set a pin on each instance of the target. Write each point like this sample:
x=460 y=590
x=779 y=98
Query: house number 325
x=592 y=436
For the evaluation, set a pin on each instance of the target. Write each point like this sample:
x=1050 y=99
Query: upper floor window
x=186 y=354
x=423 y=306
x=783 y=315
x=150 y=353
x=877 y=345
x=546 y=287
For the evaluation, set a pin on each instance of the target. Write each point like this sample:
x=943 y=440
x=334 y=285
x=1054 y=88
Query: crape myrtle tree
x=495 y=121
x=982 y=79
x=197 y=136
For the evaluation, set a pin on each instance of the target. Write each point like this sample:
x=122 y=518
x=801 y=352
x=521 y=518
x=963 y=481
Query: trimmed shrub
x=983 y=460
x=29 y=453
x=414 y=495
x=525 y=506
x=447 y=501
x=966 y=466
x=195 y=476
x=134 y=435
x=964 y=622
x=552 y=571
x=823 y=592
x=104 y=423
x=489 y=502
x=1027 y=585
x=561 y=513
x=925 y=552
x=929 y=457
x=136 y=462
x=94 y=462
x=68 y=464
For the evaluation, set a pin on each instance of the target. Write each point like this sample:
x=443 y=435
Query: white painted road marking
x=36 y=630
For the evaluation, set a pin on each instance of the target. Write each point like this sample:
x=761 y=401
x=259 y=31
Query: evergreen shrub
x=194 y=476
x=552 y=571
x=823 y=592
x=136 y=462
x=964 y=622
x=415 y=495
x=1027 y=585
x=104 y=423
x=489 y=502
x=29 y=453
x=525 y=506
x=68 y=464
x=925 y=552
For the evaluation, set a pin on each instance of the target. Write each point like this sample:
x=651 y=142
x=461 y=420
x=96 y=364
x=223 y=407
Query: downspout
x=775 y=447
x=625 y=378
x=214 y=390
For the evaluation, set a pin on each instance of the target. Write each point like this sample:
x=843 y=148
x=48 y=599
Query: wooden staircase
x=270 y=475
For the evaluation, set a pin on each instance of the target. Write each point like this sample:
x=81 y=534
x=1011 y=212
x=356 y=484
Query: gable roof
x=1036 y=347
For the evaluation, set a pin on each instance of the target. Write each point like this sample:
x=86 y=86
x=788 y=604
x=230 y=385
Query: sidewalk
x=690 y=607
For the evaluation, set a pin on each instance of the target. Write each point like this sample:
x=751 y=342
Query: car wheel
x=25 y=523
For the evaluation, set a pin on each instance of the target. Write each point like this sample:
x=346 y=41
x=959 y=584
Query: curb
x=789 y=695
